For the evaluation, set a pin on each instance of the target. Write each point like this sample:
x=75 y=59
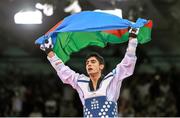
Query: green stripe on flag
x=144 y=35
x=69 y=42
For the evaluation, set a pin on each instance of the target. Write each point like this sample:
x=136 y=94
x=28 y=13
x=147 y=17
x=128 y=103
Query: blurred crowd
x=41 y=95
x=152 y=95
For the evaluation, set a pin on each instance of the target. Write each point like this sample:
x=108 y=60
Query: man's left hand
x=133 y=32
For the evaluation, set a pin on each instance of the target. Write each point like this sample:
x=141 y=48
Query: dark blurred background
x=29 y=85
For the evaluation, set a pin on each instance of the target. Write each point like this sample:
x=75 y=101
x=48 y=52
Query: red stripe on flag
x=149 y=24
x=117 y=33
x=53 y=28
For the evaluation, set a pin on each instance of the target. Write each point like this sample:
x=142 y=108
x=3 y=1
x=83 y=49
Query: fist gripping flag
x=89 y=28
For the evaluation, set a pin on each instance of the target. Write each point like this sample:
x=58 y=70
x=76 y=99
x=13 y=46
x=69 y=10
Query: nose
x=89 y=65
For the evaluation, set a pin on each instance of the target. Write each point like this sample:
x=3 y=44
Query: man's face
x=93 y=66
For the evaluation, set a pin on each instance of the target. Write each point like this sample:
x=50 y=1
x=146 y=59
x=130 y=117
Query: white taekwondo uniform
x=103 y=101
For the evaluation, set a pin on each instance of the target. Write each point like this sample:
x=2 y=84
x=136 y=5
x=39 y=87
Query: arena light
x=28 y=17
x=47 y=8
x=74 y=7
x=116 y=12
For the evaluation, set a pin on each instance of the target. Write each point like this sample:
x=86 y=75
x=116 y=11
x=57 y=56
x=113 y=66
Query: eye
x=93 y=61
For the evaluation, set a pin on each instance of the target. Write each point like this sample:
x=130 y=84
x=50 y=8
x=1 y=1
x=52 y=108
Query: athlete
x=98 y=94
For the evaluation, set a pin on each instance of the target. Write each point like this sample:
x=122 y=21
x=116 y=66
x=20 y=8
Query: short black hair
x=97 y=56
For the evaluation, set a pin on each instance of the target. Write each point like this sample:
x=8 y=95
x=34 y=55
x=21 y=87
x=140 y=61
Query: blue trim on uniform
x=83 y=81
x=114 y=71
x=108 y=76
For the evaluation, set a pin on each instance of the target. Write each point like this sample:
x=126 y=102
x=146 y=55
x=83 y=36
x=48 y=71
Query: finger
x=42 y=47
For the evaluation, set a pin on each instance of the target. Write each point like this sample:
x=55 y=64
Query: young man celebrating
x=98 y=94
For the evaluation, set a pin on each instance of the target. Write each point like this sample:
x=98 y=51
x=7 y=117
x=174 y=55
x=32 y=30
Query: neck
x=95 y=78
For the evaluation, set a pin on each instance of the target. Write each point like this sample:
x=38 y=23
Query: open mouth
x=89 y=69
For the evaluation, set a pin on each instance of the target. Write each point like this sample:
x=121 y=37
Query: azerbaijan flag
x=89 y=28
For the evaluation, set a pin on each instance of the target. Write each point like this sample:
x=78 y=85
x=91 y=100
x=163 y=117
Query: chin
x=90 y=73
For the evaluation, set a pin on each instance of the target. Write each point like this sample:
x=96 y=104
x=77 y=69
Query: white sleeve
x=126 y=67
x=123 y=70
x=67 y=75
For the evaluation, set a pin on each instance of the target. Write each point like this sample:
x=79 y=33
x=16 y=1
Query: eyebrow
x=92 y=60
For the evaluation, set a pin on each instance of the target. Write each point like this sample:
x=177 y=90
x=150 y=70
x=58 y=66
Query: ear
x=101 y=66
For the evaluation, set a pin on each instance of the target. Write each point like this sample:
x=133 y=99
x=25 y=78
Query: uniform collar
x=98 y=83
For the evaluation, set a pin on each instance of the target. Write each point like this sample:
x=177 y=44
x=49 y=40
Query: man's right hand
x=47 y=46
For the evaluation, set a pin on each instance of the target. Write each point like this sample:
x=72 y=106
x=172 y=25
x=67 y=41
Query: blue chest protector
x=95 y=102
x=99 y=107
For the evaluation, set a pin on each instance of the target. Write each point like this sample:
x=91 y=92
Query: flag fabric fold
x=89 y=28
x=96 y=21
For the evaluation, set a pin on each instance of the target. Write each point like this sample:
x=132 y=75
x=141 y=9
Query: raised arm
x=126 y=67
x=67 y=75
x=123 y=70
